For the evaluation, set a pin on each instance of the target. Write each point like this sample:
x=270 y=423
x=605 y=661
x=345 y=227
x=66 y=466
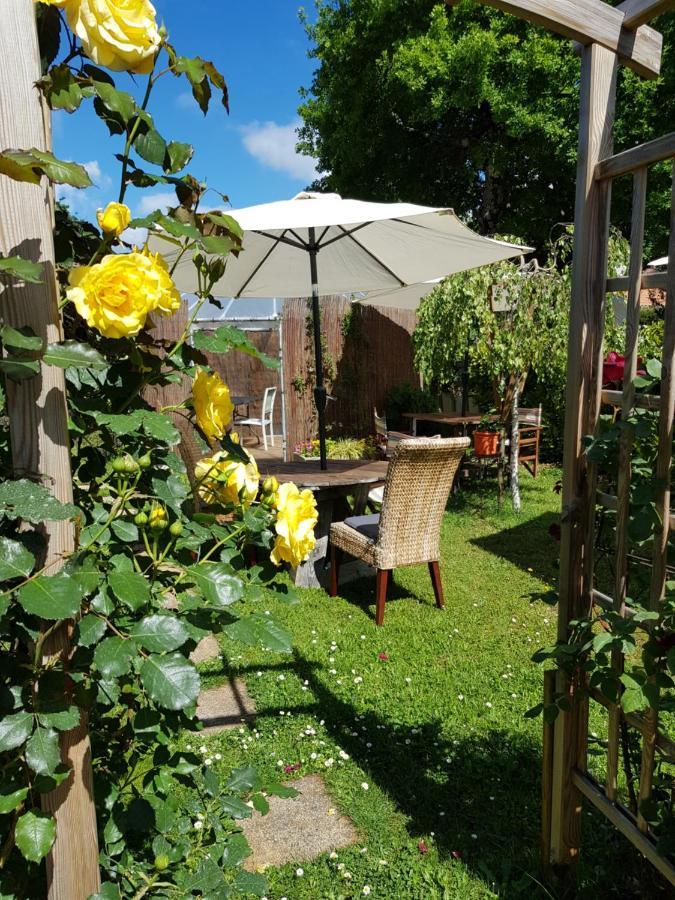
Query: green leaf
x=113 y=656
x=73 y=354
x=42 y=751
x=52 y=596
x=178 y=156
x=125 y=531
x=173 y=491
x=236 y=851
x=131 y=588
x=219 y=587
x=260 y=629
x=120 y=103
x=23 y=339
x=227 y=222
x=109 y=891
x=24 y=269
x=159 y=426
x=159 y=633
x=260 y=804
x=654 y=368
x=19 y=369
x=226 y=338
x=23 y=499
x=235 y=807
x=218 y=244
x=121 y=424
x=11 y=796
x=244 y=779
x=64 y=719
x=35 y=834
x=15 y=729
x=151 y=146
x=170 y=680
x=31 y=165
x=15 y=560
x=61 y=89
x=250 y=883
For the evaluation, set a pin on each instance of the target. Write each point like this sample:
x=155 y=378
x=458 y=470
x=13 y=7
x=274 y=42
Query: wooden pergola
x=607 y=36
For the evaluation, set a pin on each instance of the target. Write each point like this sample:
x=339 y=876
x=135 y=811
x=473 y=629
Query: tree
x=470 y=108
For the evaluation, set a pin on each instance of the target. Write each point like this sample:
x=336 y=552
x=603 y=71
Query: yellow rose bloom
x=116 y=295
x=212 y=405
x=121 y=35
x=296 y=517
x=221 y=479
x=158 y=518
x=114 y=218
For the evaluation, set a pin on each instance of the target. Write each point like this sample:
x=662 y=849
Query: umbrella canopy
x=320 y=243
x=408 y=297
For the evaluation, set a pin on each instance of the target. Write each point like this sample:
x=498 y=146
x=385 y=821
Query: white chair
x=266 y=419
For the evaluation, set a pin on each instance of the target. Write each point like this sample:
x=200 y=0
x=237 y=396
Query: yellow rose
x=296 y=517
x=114 y=218
x=212 y=404
x=116 y=295
x=222 y=479
x=121 y=35
x=158 y=518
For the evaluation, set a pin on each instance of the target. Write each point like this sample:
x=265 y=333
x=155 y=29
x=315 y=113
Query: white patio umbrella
x=408 y=297
x=350 y=245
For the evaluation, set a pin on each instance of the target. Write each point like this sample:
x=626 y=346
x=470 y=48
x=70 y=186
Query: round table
x=331 y=488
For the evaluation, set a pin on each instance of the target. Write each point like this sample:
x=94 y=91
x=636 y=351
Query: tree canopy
x=467 y=107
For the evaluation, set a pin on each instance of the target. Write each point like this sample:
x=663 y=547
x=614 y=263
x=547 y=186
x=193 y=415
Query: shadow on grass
x=528 y=545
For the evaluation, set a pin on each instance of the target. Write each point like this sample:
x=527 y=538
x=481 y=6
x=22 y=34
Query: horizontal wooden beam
x=642 y=401
x=637 y=157
x=591 y=22
x=622 y=820
x=654 y=280
x=638 y=12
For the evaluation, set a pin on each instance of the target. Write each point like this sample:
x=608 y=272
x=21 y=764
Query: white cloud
x=135 y=236
x=273 y=145
x=185 y=100
x=162 y=200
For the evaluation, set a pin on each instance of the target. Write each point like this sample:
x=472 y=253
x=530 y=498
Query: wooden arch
x=607 y=36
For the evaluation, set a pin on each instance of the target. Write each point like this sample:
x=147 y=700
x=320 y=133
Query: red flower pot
x=486 y=443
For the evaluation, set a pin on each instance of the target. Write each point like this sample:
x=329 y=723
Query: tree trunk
x=38 y=416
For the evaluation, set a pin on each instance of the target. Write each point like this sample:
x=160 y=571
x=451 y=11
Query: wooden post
x=37 y=412
x=598 y=91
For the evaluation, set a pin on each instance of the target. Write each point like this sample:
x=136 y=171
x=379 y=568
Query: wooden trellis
x=608 y=36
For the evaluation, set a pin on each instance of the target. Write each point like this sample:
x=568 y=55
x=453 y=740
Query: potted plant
x=486 y=436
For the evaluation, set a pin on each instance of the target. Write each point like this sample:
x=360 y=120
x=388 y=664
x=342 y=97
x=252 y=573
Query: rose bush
x=152 y=573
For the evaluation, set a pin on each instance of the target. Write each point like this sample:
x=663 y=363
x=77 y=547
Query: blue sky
x=261 y=48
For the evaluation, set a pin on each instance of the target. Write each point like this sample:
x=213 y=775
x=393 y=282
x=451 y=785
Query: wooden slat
x=625 y=450
x=607 y=602
x=655 y=280
x=38 y=417
x=623 y=822
x=643 y=155
x=590 y=21
x=641 y=401
x=547 y=770
x=638 y=12
x=638 y=721
x=607 y=501
x=598 y=91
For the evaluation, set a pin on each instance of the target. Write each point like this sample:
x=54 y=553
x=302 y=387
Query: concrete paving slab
x=298 y=829
x=226 y=706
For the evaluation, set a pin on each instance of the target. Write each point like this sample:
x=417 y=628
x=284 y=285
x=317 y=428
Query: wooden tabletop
x=340 y=473
x=445 y=418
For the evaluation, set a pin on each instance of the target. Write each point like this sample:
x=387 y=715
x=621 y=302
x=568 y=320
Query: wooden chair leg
x=536 y=458
x=381 y=583
x=335 y=559
x=435 y=573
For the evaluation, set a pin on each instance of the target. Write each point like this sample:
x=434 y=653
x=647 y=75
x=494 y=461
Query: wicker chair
x=407 y=530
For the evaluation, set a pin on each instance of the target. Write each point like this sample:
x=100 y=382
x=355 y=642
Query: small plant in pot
x=486 y=436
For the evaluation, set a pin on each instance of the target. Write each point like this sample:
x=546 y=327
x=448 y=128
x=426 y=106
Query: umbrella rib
x=350 y=234
x=262 y=262
x=299 y=244
x=344 y=234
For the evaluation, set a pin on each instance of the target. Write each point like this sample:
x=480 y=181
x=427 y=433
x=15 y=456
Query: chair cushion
x=368 y=526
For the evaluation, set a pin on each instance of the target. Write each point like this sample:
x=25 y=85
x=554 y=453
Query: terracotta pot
x=486 y=443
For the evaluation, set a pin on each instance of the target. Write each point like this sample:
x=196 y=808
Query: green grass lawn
x=426 y=750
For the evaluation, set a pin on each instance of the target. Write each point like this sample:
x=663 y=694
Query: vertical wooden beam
x=598 y=93
x=625 y=450
x=37 y=412
x=662 y=502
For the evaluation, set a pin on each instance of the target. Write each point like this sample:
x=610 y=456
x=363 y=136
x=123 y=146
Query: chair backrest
x=530 y=416
x=380 y=426
x=268 y=402
x=419 y=480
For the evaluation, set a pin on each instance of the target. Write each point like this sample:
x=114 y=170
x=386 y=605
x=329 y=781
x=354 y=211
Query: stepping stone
x=296 y=830
x=207 y=648
x=226 y=706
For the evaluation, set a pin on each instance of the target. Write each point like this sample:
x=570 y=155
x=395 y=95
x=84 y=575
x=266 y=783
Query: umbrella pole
x=320 y=389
